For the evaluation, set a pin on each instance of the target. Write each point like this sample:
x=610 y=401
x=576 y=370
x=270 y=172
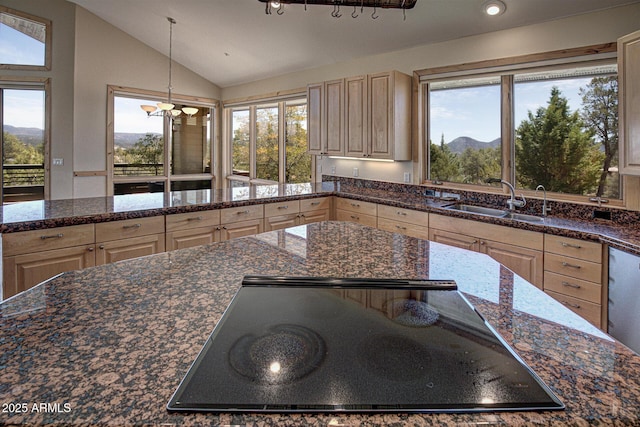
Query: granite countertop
x=109 y=345
x=567 y=220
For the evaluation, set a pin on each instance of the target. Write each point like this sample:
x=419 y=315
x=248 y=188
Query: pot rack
x=358 y=6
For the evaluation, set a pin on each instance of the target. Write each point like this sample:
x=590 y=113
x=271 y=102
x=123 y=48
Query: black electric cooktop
x=356 y=345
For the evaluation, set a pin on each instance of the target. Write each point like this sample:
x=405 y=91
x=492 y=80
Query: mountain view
x=33 y=136
x=461 y=143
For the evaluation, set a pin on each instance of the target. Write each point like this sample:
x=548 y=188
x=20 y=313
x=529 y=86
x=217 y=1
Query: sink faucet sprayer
x=544 y=201
x=512 y=202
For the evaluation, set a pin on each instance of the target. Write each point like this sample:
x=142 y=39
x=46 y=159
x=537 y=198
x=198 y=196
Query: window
x=465 y=117
x=269 y=144
x=152 y=153
x=548 y=124
x=25 y=41
x=24 y=141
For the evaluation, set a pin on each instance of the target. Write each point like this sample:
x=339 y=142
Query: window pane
x=138 y=140
x=22 y=145
x=191 y=143
x=298 y=161
x=267 y=143
x=567 y=131
x=464 y=124
x=240 y=149
x=22 y=41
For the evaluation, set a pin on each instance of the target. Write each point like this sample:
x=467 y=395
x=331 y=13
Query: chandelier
x=278 y=6
x=167 y=109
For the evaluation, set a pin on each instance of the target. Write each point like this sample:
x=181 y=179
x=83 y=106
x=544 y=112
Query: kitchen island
x=109 y=345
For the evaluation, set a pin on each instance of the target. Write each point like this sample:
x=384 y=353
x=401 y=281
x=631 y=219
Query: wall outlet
x=407 y=177
x=333 y=170
x=57 y=162
x=355 y=171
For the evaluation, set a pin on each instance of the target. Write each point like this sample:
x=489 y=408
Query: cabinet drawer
x=279 y=222
x=116 y=230
x=586 y=309
x=241 y=213
x=190 y=220
x=180 y=239
x=570 y=286
x=241 y=229
x=281 y=208
x=404 y=215
x=315 y=204
x=134 y=247
x=363 y=219
x=573 y=267
x=25 y=242
x=403 y=228
x=589 y=251
x=365 y=208
x=314 y=216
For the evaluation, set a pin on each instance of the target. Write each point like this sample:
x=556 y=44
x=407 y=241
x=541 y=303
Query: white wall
x=107 y=56
x=577 y=31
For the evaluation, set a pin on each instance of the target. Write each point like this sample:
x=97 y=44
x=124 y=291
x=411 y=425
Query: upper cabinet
x=629 y=103
x=363 y=116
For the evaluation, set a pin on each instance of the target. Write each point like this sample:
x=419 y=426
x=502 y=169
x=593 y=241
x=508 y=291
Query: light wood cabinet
x=292 y=213
x=361 y=116
x=519 y=250
x=241 y=221
x=573 y=274
x=192 y=229
x=364 y=213
x=325 y=118
x=31 y=257
x=130 y=238
x=629 y=103
x=405 y=221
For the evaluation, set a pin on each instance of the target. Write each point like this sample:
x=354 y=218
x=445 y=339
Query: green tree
x=554 y=149
x=14 y=151
x=600 y=114
x=148 y=150
x=478 y=165
x=298 y=161
x=267 y=144
x=444 y=165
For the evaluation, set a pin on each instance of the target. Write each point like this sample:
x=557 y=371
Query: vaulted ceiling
x=230 y=42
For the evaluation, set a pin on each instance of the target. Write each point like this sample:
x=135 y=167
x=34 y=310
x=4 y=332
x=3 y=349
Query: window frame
x=295 y=97
x=506 y=68
x=47 y=42
x=167 y=178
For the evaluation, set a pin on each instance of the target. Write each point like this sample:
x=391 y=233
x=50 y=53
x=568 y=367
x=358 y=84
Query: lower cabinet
x=519 y=250
x=192 y=229
x=131 y=238
x=364 y=213
x=290 y=214
x=404 y=221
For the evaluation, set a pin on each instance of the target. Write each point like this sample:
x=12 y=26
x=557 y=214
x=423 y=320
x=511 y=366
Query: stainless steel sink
x=478 y=210
x=524 y=217
x=497 y=213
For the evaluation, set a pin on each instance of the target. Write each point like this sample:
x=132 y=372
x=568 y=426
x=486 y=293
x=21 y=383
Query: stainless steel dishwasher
x=624 y=298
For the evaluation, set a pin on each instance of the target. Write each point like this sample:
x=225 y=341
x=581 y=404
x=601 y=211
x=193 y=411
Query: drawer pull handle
x=401 y=228
x=354 y=217
x=52 y=236
x=566 y=264
x=283 y=207
x=136 y=225
x=568 y=304
x=401 y=213
x=571 y=245
x=243 y=212
x=315 y=203
x=571 y=285
x=195 y=218
x=355 y=205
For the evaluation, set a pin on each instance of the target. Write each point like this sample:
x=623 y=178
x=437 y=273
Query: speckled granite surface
x=109 y=345
x=570 y=220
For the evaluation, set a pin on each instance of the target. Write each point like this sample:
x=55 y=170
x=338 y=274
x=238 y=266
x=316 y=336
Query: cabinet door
x=401 y=227
x=22 y=272
x=181 y=239
x=314 y=119
x=629 y=103
x=526 y=263
x=134 y=247
x=454 y=239
x=241 y=229
x=334 y=113
x=380 y=125
x=314 y=216
x=281 y=221
x=356 y=116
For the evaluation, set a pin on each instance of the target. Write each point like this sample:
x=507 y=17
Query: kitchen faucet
x=512 y=202
x=544 y=201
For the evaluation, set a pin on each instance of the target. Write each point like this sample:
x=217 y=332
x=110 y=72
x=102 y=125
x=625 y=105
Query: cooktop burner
x=356 y=345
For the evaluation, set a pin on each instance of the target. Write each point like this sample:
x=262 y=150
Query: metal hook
x=305 y=5
x=373 y=15
x=336 y=10
x=280 y=9
x=267 y=8
x=354 y=14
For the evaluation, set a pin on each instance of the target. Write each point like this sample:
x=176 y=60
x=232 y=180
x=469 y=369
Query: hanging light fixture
x=167 y=109
x=337 y=4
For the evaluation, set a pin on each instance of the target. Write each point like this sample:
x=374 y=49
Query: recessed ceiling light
x=494 y=7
